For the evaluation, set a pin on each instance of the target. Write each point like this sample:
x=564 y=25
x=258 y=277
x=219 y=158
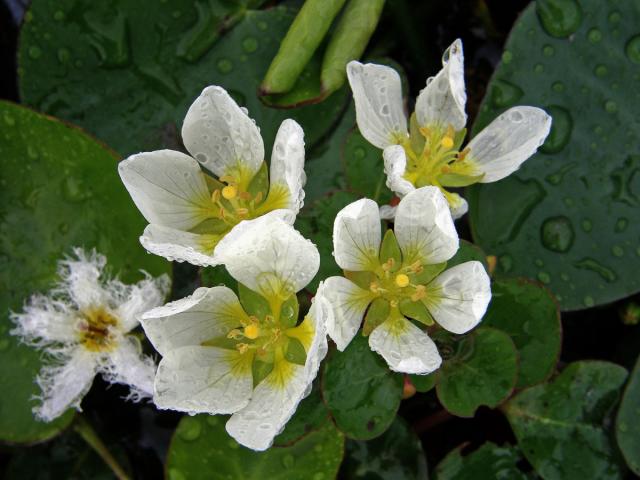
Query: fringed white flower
x=192 y=202
x=83 y=325
x=429 y=152
x=249 y=356
x=400 y=282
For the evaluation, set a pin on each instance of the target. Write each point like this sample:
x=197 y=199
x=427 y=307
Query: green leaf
x=482 y=371
x=202 y=449
x=362 y=394
x=541 y=222
x=423 y=383
x=530 y=316
x=299 y=44
x=488 y=462
x=364 y=168
x=310 y=415
x=137 y=100
x=628 y=421
x=64 y=192
x=395 y=455
x=316 y=223
x=564 y=427
x=466 y=253
x=349 y=40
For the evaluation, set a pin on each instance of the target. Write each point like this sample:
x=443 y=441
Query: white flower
x=82 y=325
x=429 y=152
x=189 y=211
x=402 y=277
x=247 y=357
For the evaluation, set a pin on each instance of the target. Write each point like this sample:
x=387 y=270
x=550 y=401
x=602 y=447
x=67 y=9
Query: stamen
x=235 y=334
x=419 y=294
x=242 y=347
x=402 y=280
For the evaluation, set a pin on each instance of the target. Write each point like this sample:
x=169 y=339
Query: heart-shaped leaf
x=488 y=462
x=628 y=421
x=65 y=192
x=566 y=217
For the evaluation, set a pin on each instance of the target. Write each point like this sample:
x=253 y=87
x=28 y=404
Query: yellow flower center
x=402 y=280
x=229 y=192
x=96 y=329
x=252 y=331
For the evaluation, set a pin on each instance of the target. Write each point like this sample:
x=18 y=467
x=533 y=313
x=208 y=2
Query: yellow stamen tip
x=447 y=142
x=402 y=280
x=251 y=331
x=229 y=192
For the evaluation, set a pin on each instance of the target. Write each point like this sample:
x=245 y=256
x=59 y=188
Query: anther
x=402 y=280
x=242 y=347
x=419 y=294
x=229 y=192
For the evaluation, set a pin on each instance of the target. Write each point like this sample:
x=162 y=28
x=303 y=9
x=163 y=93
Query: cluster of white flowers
x=249 y=356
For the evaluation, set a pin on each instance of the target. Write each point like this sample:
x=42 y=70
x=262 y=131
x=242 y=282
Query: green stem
x=89 y=435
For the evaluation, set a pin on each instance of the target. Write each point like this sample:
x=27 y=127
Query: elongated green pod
x=349 y=41
x=299 y=44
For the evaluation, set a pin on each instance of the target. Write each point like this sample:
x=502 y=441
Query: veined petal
x=457 y=205
x=458 y=297
x=197 y=379
x=377 y=92
x=508 y=141
x=287 y=165
x=129 y=366
x=143 y=296
x=424 y=227
x=180 y=246
x=276 y=398
x=405 y=347
x=395 y=165
x=348 y=302
x=63 y=386
x=221 y=136
x=168 y=187
x=388 y=212
x=269 y=256
x=357 y=235
x=206 y=314
x=442 y=101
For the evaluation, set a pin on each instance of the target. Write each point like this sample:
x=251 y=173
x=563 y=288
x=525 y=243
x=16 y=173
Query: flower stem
x=89 y=435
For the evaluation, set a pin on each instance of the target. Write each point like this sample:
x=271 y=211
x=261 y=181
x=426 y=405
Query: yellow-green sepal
x=260 y=182
x=428 y=273
x=213 y=184
x=377 y=313
x=458 y=179
x=458 y=138
x=289 y=312
x=361 y=279
x=260 y=370
x=253 y=303
x=417 y=140
x=416 y=310
x=389 y=249
x=295 y=352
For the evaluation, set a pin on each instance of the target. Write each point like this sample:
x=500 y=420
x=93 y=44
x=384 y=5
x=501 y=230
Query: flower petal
x=64 y=386
x=388 y=212
x=197 y=379
x=349 y=303
x=458 y=297
x=44 y=321
x=168 y=187
x=442 y=101
x=276 y=398
x=206 y=314
x=269 y=256
x=128 y=366
x=377 y=92
x=395 y=164
x=143 y=296
x=221 y=136
x=357 y=235
x=405 y=347
x=179 y=246
x=457 y=205
x=424 y=227
x=80 y=279
x=287 y=164
x=508 y=141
